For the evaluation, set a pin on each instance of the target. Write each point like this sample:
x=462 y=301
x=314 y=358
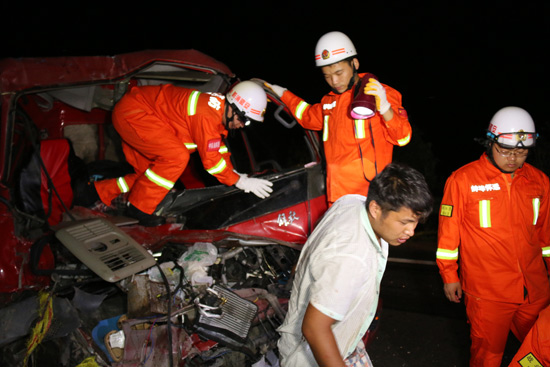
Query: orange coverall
x=160 y=126
x=535 y=349
x=501 y=227
x=355 y=150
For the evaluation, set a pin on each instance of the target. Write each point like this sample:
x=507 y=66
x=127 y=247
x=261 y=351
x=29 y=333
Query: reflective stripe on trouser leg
x=122 y=185
x=149 y=190
x=111 y=188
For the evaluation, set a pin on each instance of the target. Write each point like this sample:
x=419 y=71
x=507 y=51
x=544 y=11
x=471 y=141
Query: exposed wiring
x=169 y=316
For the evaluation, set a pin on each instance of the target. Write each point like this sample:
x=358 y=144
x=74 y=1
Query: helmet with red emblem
x=333 y=47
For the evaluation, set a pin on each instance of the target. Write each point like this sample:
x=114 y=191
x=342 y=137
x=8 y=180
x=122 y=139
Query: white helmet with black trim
x=333 y=47
x=511 y=128
x=248 y=100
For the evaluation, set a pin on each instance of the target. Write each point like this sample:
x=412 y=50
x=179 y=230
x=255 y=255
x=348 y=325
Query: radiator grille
x=236 y=319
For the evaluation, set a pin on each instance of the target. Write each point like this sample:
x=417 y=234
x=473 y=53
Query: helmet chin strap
x=227 y=119
x=230 y=132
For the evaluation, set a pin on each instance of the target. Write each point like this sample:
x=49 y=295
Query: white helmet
x=248 y=100
x=333 y=47
x=512 y=127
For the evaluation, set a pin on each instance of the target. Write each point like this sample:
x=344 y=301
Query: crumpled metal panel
x=18 y=74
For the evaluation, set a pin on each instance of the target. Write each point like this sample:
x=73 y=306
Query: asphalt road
x=418 y=325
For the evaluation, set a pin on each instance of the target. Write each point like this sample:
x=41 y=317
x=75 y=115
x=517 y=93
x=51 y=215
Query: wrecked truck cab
x=57 y=133
x=92 y=269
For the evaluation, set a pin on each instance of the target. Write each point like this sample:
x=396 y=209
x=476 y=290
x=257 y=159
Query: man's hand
x=316 y=328
x=374 y=88
x=453 y=291
x=259 y=187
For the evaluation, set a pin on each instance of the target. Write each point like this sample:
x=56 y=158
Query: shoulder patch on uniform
x=529 y=361
x=402 y=113
x=446 y=210
x=213 y=145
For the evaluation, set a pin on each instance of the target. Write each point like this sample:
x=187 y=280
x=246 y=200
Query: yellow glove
x=374 y=88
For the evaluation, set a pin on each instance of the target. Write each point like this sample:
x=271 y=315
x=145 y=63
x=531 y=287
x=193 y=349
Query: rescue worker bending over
x=161 y=125
x=494 y=221
x=355 y=150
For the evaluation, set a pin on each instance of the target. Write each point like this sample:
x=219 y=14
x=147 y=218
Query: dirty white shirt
x=339 y=272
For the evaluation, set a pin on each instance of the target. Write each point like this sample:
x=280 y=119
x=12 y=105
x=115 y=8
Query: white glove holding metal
x=259 y=187
x=374 y=88
x=277 y=89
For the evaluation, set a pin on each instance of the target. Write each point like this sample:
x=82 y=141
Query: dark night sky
x=455 y=64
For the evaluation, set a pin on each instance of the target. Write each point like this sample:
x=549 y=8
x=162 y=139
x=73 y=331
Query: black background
x=455 y=63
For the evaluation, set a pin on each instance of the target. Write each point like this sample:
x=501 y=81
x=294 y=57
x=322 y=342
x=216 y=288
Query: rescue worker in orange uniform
x=161 y=125
x=494 y=225
x=535 y=349
x=355 y=149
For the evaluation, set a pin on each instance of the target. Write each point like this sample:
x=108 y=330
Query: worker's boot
x=146 y=220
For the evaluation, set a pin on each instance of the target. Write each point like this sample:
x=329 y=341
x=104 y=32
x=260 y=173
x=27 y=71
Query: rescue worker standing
x=494 y=222
x=161 y=125
x=355 y=150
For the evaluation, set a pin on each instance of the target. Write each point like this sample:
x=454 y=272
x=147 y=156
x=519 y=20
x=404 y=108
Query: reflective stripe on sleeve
x=192 y=103
x=223 y=149
x=325 y=128
x=546 y=251
x=300 y=109
x=218 y=167
x=485 y=213
x=444 y=254
x=190 y=146
x=404 y=141
x=536 y=207
x=167 y=184
x=122 y=185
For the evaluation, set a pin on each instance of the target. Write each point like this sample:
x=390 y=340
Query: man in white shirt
x=337 y=281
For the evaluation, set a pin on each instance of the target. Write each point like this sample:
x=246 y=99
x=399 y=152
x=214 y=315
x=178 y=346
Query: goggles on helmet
x=514 y=140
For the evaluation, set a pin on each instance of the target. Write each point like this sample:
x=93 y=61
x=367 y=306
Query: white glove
x=374 y=88
x=278 y=90
x=259 y=187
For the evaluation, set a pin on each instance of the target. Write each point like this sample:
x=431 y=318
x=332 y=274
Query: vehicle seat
x=45 y=184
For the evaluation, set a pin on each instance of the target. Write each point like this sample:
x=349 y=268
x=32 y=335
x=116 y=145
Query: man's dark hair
x=400 y=186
